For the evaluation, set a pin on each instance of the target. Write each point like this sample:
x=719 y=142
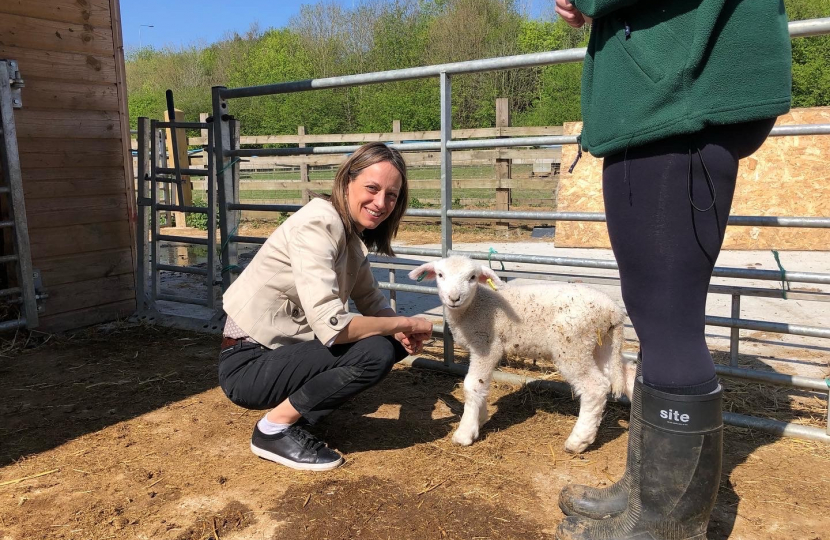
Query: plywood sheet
x=787 y=176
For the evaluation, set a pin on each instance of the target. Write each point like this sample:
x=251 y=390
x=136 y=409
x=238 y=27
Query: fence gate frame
x=154 y=175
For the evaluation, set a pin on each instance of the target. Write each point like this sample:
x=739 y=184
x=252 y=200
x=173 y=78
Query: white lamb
x=578 y=328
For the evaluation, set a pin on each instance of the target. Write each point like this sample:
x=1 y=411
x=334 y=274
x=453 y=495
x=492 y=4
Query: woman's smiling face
x=373 y=194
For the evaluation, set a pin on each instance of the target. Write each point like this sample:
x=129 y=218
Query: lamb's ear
x=425 y=271
x=487 y=273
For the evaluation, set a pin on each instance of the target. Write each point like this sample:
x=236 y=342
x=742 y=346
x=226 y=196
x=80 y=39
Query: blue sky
x=178 y=22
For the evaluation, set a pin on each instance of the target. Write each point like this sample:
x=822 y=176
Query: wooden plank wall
x=73 y=136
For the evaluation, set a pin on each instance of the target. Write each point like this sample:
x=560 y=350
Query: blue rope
x=785 y=285
x=490 y=262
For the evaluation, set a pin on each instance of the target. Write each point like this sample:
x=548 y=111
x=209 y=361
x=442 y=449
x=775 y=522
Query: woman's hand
x=570 y=14
x=419 y=326
x=420 y=330
x=412 y=345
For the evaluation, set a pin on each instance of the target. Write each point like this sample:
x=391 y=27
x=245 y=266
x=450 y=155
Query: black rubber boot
x=600 y=503
x=675 y=469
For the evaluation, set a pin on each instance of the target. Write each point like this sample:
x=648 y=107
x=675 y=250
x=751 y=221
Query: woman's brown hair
x=380 y=238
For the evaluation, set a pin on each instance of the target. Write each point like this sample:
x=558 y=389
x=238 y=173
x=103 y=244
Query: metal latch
x=40 y=294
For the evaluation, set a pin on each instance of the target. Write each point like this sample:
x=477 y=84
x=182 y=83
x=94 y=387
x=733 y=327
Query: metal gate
x=154 y=178
x=23 y=292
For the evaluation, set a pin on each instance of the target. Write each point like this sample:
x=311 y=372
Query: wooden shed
x=73 y=139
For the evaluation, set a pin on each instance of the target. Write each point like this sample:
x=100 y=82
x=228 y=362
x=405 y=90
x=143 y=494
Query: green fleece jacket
x=657 y=68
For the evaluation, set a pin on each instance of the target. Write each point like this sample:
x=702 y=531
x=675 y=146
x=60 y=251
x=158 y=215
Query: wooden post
x=204 y=135
x=504 y=169
x=160 y=150
x=303 y=165
x=187 y=188
x=396 y=128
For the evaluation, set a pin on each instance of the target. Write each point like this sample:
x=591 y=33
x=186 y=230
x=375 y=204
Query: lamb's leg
x=476 y=390
x=592 y=387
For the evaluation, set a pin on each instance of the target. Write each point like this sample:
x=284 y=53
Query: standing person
x=290 y=343
x=674 y=94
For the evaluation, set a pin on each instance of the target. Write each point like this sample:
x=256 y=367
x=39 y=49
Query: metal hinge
x=16 y=82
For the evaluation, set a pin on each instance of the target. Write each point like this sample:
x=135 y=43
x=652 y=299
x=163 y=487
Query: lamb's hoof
x=464 y=439
x=576 y=446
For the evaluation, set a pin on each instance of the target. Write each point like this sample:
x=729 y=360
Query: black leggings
x=666 y=234
x=316 y=379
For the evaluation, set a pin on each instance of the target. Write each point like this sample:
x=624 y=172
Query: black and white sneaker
x=295 y=448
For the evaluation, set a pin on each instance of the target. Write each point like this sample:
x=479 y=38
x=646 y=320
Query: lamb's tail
x=620 y=372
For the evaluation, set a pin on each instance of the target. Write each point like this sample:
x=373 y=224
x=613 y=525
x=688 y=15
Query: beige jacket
x=298 y=285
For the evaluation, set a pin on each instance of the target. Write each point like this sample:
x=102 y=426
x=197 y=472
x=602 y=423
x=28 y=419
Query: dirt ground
x=121 y=432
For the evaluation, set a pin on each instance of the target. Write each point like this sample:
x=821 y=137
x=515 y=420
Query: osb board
x=787 y=176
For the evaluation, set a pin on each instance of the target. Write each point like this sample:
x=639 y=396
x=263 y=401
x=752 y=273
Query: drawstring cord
x=578 y=153
x=708 y=180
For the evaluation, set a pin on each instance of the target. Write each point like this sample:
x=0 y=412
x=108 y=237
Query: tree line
x=328 y=39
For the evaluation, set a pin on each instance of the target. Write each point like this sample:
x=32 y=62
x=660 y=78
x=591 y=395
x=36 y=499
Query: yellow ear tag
x=491 y=284
x=599 y=338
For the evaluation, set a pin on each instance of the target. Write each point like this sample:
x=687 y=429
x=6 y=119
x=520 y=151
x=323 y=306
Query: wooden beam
x=65 y=153
x=84 y=266
x=66 y=211
x=85 y=317
x=45 y=35
x=61 y=182
x=65 y=95
x=524 y=183
x=503 y=166
x=126 y=154
x=56 y=241
x=529 y=131
x=181 y=151
x=60 y=124
x=89 y=293
x=92 y=12
x=303 y=167
x=62 y=66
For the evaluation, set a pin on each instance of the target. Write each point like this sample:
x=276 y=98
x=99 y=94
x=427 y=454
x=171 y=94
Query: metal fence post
x=446 y=193
x=393 y=295
x=144 y=143
x=221 y=141
x=210 y=158
x=233 y=188
x=735 y=334
x=155 y=278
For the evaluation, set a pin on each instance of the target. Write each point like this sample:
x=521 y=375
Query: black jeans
x=316 y=379
x=666 y=205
